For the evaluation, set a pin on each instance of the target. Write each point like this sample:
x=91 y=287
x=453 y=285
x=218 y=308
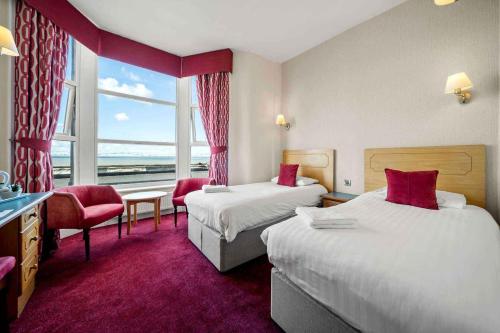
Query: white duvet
x=404 y=269
x=249 y=206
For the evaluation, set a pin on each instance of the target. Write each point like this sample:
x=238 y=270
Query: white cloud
x=138 y=89
x=122 y=116
x=130 y=75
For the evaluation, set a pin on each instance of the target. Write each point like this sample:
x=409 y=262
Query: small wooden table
x=133 y=199
x=336 y=198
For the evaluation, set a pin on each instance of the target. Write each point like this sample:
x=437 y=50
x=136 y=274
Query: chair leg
x=120 y=226
x=4 y=317
x=175 y=216
x=86 y=236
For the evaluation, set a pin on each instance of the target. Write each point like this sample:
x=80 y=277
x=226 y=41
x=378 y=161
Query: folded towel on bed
x=215 y=188
x=325 y=218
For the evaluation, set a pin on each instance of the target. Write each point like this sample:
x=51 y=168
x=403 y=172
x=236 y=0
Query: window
x=136 y=125
x=63 y=145
x=200 y=151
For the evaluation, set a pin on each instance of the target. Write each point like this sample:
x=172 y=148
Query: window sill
x=167 y=188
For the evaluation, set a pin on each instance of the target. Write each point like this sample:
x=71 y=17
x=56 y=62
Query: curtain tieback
x=36 y=144
x=218 y=149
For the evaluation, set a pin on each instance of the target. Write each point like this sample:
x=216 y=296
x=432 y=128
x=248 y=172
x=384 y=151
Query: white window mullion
x=183 y=130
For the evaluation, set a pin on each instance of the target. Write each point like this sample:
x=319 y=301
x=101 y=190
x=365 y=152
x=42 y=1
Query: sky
x=127 y=119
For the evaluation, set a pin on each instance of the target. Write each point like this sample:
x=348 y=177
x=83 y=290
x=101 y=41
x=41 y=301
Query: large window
x=136 y=125
x=63 y=145
x=200 y=151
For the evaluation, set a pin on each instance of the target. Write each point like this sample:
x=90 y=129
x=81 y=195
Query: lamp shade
x=458 y=81
x=444 y=2
x=280 y=120
x=7 y=45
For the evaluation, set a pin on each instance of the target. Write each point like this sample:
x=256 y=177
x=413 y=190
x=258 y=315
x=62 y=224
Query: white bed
x=249 y=206
x=404 y=269
x=226 y=226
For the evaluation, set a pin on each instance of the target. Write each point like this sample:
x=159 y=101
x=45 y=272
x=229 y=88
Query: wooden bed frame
x=316 y=163
x=461 y=170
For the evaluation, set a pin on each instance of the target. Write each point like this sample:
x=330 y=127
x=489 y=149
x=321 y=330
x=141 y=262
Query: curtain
x=39 y=78
x=213 y=100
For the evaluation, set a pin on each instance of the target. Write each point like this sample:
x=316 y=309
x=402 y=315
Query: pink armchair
x=183 y=187
x=82 y=207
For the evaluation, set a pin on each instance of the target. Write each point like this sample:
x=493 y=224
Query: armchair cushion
x=97 y=214
x=178 y=201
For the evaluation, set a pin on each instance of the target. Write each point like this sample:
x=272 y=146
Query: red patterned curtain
x=213 y=100
x=39 y=77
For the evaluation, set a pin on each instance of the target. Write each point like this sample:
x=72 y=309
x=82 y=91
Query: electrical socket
x=347 y=182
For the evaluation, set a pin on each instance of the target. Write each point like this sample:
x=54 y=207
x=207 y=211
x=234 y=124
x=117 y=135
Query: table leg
x=159 y=210
x=135 y=214
x=156 y=214
x=128 y=218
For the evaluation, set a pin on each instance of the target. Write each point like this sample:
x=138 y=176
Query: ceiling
x=275 y=29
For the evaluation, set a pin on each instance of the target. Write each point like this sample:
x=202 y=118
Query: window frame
x=70 y=117
x=100 y=91
x=193 y=142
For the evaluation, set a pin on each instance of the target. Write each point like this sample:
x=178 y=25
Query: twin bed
x=226 y=227
x=403 y=269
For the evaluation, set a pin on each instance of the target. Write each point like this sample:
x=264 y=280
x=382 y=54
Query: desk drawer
x=29 y=267
x=29 y=217
x=30 y=239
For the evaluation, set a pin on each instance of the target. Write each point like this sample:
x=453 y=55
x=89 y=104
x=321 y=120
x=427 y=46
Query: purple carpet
x=146 y=282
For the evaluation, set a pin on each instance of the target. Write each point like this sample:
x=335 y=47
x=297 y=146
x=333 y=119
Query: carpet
x=146 y=282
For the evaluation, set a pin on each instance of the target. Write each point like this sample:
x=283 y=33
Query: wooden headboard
x=316 y=163
x=461 y=168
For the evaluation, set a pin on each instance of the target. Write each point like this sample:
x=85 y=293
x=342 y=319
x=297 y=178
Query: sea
x=114 y=170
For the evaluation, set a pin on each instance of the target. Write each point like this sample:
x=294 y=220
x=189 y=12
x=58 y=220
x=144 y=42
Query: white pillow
x=300 y=181
x=444 y=199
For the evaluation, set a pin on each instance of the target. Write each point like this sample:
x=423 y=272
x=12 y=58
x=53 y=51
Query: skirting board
x=297 y=312
x=223 y=255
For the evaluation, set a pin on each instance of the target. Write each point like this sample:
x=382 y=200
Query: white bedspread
x=249 y=206
x=404 y=269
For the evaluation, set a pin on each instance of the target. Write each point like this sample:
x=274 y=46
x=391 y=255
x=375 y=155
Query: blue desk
x=20 y=206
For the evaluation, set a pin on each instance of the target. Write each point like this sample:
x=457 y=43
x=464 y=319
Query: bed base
x=223 y=255
x=297 y=312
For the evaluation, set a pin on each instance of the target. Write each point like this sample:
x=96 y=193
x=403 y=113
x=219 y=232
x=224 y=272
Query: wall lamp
x=459 y=84
x=444 y=2
x=281 y=121
x=7 y=44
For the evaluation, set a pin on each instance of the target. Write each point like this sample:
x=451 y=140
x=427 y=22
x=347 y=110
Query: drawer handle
x=34 y=239
x=34 y=214
x=35 y=266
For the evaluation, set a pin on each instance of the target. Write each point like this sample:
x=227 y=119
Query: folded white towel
x=325 y=218
x=215 y=188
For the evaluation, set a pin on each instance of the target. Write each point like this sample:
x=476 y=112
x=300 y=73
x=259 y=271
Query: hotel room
x=249 y=166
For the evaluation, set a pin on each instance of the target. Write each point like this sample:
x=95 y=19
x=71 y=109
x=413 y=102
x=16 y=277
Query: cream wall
x=254 y=140
x=6 y=77
x=381 y=84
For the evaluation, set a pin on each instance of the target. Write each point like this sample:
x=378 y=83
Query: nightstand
x=336 y=198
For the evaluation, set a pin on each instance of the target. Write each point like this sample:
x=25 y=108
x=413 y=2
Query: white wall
x=254 y=140
x=381 y=84
x=6 y=85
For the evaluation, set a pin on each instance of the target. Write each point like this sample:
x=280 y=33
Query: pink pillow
x=288 y=174
x=415 y=188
